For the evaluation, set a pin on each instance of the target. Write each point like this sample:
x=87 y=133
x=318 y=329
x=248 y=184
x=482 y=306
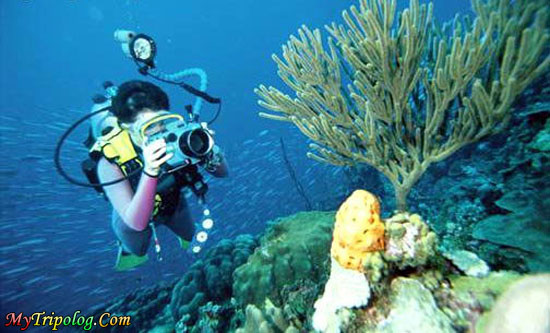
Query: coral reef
x=268 y=319
x=358 y=231
x=482 y=289
x=468 y=262
x=213 y=318
x=147 y=308
x=201 y=301
x=505 y=167
x=299 y=298
x=292 y=317
x=359 y=259
x=410 y=242
x=541 y=142
x=409 y=284
x=413 y=309
x=528 y=298
x=404 y=285
x=293 y=248
x=465 y=300
x=527 y=226
x=209 y=279
x=414 y=95
x=345 y=288
x=450 y=304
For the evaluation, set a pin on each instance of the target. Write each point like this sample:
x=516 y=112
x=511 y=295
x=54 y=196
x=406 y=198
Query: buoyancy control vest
x=118 y=148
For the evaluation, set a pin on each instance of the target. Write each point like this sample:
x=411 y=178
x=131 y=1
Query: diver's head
x=135 y=97
x=137 y=102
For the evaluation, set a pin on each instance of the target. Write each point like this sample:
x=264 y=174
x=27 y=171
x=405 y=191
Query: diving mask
x=152 y=126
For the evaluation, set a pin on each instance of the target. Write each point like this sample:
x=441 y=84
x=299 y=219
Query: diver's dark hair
x=133 y=96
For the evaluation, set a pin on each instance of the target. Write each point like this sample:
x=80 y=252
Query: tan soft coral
x=358 y=230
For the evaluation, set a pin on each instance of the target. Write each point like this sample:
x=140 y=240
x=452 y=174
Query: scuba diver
x=136 y=103
x=144 y=159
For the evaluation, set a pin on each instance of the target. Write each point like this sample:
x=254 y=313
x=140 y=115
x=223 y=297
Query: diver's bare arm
x=134 y=209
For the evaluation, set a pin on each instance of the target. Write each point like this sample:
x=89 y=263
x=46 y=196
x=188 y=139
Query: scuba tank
x=102 y=123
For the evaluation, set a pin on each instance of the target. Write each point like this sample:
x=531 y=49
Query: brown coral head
x=358 y=230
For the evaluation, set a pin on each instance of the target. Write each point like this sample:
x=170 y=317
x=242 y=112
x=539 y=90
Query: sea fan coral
x=398 y=93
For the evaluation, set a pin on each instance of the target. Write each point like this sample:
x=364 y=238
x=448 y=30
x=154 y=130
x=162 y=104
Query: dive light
x=139 y=47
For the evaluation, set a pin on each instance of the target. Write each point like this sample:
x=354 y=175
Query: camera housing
x=190 y=142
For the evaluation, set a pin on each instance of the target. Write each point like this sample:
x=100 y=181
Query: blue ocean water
x=57 y=248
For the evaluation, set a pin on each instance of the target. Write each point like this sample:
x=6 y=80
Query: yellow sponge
x=357 y=231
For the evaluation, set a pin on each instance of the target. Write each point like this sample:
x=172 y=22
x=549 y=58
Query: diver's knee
x=141 y=252
x=136 y=249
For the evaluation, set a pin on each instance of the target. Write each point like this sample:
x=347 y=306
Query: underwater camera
x=189 y=142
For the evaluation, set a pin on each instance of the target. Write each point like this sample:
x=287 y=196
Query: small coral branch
x=293 y=177
x=398 y=93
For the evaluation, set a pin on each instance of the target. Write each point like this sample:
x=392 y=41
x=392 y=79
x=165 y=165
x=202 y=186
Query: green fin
x=127 y=261
x=183 y=243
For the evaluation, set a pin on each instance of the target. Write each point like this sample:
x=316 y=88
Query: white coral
x=345 y=288
x=404 y=245
x=468 y=262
